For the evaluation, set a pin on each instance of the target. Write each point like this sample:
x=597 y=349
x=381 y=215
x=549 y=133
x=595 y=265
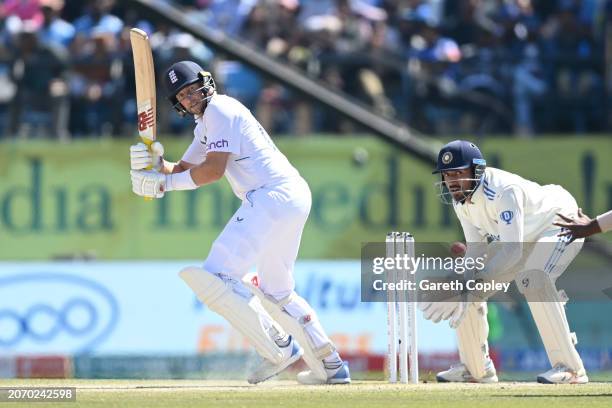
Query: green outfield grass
x=206 y=393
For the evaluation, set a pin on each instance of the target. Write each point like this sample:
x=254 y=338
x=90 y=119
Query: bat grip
x=148 y=142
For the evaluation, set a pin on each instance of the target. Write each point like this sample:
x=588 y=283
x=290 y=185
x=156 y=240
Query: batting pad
x=548 y=310
x=296 y=317
x=232 y=300
x=472 y=335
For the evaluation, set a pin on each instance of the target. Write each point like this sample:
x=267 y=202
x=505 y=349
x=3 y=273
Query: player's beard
x=462 y=194
x=197 y=109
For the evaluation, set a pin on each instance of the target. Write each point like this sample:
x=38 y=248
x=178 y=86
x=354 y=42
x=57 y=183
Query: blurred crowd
x=441 y=66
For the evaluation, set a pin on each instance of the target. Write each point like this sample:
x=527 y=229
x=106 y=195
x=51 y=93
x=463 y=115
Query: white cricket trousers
x=264 y=232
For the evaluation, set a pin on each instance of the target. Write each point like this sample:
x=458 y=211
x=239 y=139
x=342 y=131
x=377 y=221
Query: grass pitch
x=208 y=393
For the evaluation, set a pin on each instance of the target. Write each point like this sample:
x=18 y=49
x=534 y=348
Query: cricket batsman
x=264 y=232
x=516 y=216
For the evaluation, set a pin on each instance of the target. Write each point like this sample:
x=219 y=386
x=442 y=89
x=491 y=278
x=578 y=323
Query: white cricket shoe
x=460 y=373
x=337 y=375
x=560 y=374
x=266 y=370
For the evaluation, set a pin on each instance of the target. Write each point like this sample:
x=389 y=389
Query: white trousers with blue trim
x=549 y=258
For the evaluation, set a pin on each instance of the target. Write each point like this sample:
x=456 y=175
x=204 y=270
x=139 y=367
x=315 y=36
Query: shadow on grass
x=552 y=395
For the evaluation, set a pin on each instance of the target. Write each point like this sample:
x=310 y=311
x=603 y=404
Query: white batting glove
x=148 y=183
x=141 y=157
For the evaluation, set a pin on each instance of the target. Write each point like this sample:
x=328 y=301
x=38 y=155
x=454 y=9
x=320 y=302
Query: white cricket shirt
x=508 y=208
x=254 y=160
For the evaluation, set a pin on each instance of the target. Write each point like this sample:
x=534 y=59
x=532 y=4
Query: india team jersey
x=254 y=161
x=509 y=208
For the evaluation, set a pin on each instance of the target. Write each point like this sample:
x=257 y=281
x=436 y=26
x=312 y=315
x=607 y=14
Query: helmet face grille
x=459 y=155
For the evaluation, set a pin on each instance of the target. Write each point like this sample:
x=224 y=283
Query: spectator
x=433 y=70
x=24 y=9
x=441 y=65
x=55 y=30
x=528 y=87
x=95 y=85
x=227 y=16
x=7 y=86
x=572 y=50
x=97 y=82
x=41 y=105
x=97 y=19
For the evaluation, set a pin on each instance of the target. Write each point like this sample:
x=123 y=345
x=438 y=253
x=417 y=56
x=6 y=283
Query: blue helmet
x=459 y=155
x=182 y=74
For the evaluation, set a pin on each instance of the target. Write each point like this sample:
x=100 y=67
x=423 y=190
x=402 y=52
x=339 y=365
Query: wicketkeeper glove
x=451 y=311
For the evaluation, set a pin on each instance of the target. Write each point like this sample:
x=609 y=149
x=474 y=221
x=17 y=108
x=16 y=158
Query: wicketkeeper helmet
x=459 y=155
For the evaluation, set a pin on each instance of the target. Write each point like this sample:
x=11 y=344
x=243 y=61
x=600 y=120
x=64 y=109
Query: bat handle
x=148 y=142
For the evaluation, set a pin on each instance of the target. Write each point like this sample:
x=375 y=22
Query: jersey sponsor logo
x=219 y=144
x=173 y=77
x=146 y=119
x=492 y=238
x=506 y=216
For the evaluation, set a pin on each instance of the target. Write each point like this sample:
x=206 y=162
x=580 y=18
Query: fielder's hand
x=580 y=227
x=148 y=183
x=141 y=157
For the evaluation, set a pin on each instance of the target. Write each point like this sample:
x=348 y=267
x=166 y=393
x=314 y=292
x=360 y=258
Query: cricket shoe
x=292 y=352
x=460 y=373
x=335 y=375
x=560 y=374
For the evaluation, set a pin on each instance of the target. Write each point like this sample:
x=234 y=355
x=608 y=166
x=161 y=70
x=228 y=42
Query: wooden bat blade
x=144 y=73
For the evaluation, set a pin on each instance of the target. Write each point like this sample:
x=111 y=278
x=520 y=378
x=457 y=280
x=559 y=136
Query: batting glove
x=148 y=183
x=141 y=158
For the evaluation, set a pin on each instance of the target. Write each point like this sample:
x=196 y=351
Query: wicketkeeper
x=502 y=211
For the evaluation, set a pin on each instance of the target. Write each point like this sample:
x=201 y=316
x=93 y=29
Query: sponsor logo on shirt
x=219 y=144
x=506 y=216
x=492 y=238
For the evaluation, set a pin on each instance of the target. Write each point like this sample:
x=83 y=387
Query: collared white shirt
x=510 y=209
x=254 y=160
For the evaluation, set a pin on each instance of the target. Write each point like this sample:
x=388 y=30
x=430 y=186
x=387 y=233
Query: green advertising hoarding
x=63 y=201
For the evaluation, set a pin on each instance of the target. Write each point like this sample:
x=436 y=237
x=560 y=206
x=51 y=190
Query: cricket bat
x=144 y=73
